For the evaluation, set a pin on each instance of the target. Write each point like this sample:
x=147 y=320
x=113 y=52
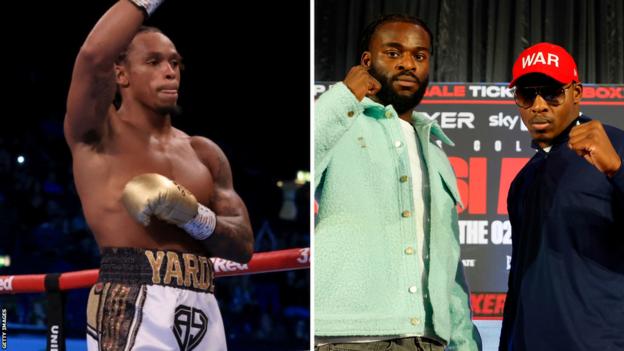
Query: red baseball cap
x=548 y=59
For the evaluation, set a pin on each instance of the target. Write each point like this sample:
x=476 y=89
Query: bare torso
x=111 y=146
x=101 y=173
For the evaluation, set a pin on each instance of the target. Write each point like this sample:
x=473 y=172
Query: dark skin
x=110 y=147
x=395 y=47
x=545 y=122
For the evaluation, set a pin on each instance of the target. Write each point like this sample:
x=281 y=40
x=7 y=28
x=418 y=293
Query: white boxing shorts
x=154 y=300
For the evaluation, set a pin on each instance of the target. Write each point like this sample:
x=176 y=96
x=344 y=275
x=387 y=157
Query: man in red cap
x=566 y=206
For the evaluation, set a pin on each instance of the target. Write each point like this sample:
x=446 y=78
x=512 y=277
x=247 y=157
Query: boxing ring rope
x=261 y=262
x=52 y=284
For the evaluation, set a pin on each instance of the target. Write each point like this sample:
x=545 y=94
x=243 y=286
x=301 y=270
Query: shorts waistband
x=157 y=267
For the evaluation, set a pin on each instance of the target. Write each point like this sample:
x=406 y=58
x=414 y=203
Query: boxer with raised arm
x=158 y=201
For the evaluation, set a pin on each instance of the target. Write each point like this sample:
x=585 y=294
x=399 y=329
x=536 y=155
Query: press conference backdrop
x=491 y=146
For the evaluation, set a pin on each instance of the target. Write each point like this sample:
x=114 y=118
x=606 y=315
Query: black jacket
x=566 y=283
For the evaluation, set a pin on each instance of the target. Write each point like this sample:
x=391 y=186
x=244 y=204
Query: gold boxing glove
x=153 y=194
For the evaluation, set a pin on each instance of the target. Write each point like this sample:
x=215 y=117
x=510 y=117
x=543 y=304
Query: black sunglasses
x=552 y=94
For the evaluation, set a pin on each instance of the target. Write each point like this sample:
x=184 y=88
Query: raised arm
x=335 y=111
x=92 y=87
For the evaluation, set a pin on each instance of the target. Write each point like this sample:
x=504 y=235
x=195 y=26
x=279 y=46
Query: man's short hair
x=121 y=58
x=369 y=31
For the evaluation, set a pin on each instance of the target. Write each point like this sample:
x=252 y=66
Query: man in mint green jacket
x=387 y=268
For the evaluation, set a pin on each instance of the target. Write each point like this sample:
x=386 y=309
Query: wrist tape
x=203 y=225
x=148 y=5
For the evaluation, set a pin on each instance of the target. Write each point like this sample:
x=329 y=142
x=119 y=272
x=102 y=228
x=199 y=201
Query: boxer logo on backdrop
x=452 y=120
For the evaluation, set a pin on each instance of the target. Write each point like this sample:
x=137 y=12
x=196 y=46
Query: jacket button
x=406 y=214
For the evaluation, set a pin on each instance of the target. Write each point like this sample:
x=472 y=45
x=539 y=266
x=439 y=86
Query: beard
x=173 y=110
x=388 y=96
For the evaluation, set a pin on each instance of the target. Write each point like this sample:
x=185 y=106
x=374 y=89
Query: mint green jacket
x=364 y=273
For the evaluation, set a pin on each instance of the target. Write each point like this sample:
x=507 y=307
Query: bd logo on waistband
x=189 y=326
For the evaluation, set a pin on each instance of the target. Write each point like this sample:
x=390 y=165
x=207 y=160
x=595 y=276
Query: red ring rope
x=262 y=262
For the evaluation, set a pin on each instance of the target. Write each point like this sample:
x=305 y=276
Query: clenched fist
x=590 y=141
x=361 y=83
